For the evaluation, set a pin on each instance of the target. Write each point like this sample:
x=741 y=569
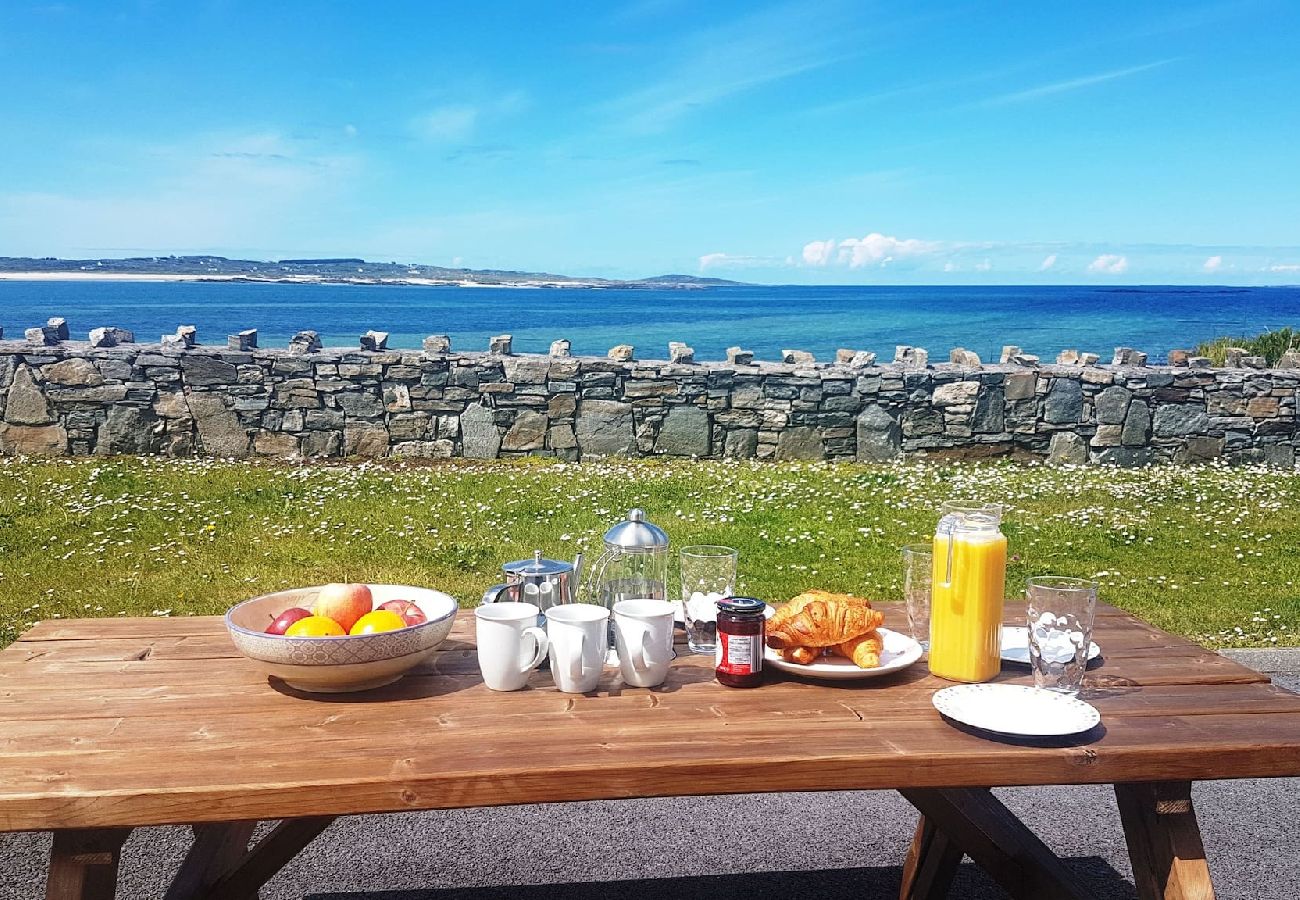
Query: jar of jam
x=742 y=627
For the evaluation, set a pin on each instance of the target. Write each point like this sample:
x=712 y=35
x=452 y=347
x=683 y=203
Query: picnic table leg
x=83 y=864
x=978 y=825
x=218 y=848
x=1164 y=841
x=267 y=857
x=931 y=863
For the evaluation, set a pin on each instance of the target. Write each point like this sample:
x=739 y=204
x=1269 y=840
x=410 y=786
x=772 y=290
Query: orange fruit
x=379 y=620
x=315 y=626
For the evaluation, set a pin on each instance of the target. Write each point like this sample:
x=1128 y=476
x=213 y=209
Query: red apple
x=410 y=613
x=287 y=618
x=344 y=603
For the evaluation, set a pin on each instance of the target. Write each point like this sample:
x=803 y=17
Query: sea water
x=767 y=320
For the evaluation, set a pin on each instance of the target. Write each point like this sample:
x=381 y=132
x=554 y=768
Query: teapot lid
x=635 y=533
x=537 y=566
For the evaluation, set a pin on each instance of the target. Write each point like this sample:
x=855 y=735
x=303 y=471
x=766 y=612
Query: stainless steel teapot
x=542 y=582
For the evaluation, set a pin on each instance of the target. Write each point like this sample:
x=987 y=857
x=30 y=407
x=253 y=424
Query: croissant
x=804 y=656
x=864 y=650
x=822 y=623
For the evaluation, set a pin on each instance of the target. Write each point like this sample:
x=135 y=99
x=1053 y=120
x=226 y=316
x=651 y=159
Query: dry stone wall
x=180 y=398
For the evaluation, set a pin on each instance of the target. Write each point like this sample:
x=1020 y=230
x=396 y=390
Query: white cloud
x=446 y=124
x=709 y=260
x=1047 y=263
x=1285 y=267
x=1072 y=84
x=984 y=266
x=879 y=250
x=950 y=267
x=1213 y=264
x=729 y=261
x=1109 y=264
x=818 y=253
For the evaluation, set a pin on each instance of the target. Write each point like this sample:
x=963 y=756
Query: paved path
x=838 y=845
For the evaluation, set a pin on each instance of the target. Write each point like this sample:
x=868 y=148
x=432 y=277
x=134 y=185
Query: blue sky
x=819 y=142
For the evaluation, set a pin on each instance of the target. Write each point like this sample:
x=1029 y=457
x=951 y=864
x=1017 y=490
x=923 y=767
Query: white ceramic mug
x=578 y=634
x=504 y=630
x=643 y=634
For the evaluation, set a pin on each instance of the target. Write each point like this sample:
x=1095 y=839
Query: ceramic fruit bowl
x=340 y=664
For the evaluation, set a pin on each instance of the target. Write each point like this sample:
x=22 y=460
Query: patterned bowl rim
x=325 y=641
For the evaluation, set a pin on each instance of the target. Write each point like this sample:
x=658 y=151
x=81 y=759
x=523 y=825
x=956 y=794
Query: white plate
x=1015 y=709
x=1015 y=645
x=900 y=651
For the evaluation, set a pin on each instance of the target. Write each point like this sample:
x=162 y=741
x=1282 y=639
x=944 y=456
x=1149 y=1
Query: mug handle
x=576 y=660
x=647 y=651
x=543 y=645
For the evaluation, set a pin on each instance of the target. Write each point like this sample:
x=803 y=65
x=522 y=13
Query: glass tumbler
x=918 y=572
x=708 y=575
x=1061 y=612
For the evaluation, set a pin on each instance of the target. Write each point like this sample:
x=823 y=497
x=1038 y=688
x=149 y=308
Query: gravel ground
x=840 y=845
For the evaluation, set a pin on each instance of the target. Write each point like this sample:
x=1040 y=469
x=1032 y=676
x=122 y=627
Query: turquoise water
x=1042 y=320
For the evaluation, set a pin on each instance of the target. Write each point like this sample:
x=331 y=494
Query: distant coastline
x=316 y=271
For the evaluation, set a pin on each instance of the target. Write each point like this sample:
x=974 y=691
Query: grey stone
x=957 y=393
x=244 y=340
x=1089 y=359
x=1107 y=436
x=73 y=371
x=1254 y=362
x=205 y=370
x=1173 y=420
x=103 y=337
x=437 y=344
x=305 y=342
x=990 y=411
x=1067 y=358
x=680 y=353
x=526 y=369
x=1178 y=358
x=60 y=327
x=797 y=357
x=361 y=404
x=1127 y=356
x=561 y=437
x=442 y=449
x=738 y=357
x=127 y=429
x=878 y=434
x=1025 y=359
x=1199 y=449
x=740 y=443
x=1137 y=425
x=911 y=357
x=1020 y=385
x=844 y=357
x=1009 y=352
x=1112 y=405
x=276 y=444
x=685 y=432
x=1280 y=456
x=1289 y=360
x=397 y=398
x=527 y=432
x=500 y=345
x=863 y=359
x=562 y=347
x=45 y=335
x=1064 y=402
x=480 y=437
x=321 y=444
x=1199 y=362
x=604 y=428
x=621 y=353
x=1233 y=357
x=186 y=336
x=220 y=432
x=1067 y=448
x=374 y=340
x=27 y=404
x=800 y=442
x=1127 y=457
x=366 y=439
x=960 y=356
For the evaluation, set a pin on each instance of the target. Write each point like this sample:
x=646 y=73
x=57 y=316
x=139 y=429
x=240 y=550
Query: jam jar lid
x=742 y=605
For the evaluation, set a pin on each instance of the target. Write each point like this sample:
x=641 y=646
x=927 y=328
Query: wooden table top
x=114 y=722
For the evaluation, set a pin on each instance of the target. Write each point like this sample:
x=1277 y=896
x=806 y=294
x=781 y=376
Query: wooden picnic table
x=109 y=724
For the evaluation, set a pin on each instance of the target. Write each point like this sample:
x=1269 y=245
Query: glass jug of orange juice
x=970 y=569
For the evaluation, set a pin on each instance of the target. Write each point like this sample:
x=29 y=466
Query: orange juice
x=966 y=600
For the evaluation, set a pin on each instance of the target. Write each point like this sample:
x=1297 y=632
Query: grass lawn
x=1211 y=552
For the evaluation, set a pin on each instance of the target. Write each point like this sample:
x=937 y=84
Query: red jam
x=741 y=631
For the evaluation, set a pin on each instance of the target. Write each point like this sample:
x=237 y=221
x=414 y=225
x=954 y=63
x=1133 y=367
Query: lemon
x=379 y=620
x=315 y=626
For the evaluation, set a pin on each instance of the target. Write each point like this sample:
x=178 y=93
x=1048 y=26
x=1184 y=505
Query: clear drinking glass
x=708 y=575
x=1061 y=612
x=918 y=572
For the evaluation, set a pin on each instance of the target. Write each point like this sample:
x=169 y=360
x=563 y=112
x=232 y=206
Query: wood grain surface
x=124 y=722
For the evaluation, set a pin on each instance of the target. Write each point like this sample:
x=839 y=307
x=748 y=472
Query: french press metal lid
x=636 y=535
